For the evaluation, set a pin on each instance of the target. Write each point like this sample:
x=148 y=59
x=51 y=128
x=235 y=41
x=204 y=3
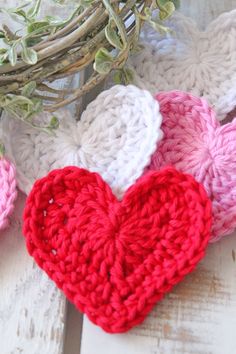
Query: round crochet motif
x=8 y=191
x=195 y=143
x=114 y=260
x=115 y=137
x=202 y=63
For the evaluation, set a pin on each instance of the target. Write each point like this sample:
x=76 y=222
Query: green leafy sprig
x=98 y=32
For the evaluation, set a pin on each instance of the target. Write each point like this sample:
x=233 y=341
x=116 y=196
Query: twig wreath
x=99 y=32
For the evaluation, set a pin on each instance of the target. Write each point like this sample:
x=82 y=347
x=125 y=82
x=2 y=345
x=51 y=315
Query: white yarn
x=187 y=59
x=115 y=137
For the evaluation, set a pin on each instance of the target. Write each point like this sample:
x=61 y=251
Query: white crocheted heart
x=203 y=63
x=115 y=137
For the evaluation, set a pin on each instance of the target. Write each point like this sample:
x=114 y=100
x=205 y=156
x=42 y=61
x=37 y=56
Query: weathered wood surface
x=199 y=316
x=32 y=309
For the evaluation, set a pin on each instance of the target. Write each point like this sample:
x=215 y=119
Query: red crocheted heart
x=114 y=260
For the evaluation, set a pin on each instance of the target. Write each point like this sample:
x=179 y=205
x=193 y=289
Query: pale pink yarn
x=8 y=191
x=195 y=143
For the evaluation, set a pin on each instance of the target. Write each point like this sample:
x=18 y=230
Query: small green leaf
x=103 y=61
x=112 y=35
x=3 y=56
x=155 y=23
x=166 y=8
x=17 y=99
x=12 y=55
x=34 y=26
x=128 y=76
x=123 y=76
x=55 y=21
x=148 y=12
x=28 y=55
x=168 y=11
x=158 y=27
x=38 y=105
x=33 y=11
x=18 y=106
x=21 y=107
x=30 y=42
x=117 y=77
x=54 y=123
x=2 y=34
x=29 y=89
x=20 y=13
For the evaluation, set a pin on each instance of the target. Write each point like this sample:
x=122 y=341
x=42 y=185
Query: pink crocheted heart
x=195 y=142
x=8 y=191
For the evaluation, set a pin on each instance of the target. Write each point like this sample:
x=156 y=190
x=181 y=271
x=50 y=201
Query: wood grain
x=32 y=309
x=199 y=316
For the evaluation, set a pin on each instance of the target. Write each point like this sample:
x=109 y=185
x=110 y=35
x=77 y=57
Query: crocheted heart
x=202 y=63
x=114 y=260
x=8 y=191
x=116 y=137
x=195 y=143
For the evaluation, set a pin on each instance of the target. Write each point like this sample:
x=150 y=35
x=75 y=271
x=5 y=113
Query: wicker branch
x=97 y=34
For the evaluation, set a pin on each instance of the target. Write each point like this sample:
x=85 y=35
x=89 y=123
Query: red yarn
x=114 y=260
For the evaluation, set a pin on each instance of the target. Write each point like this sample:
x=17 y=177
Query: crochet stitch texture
x=116 y=136
x=202 y=63
x=8 y=191
x=114 y=260
x=194 y=142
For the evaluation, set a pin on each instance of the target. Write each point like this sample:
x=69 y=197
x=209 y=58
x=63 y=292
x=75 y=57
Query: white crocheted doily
x=115 y=137
x=187 y=59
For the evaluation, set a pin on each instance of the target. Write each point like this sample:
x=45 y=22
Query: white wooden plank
x=32 y=309
x=199 y=316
